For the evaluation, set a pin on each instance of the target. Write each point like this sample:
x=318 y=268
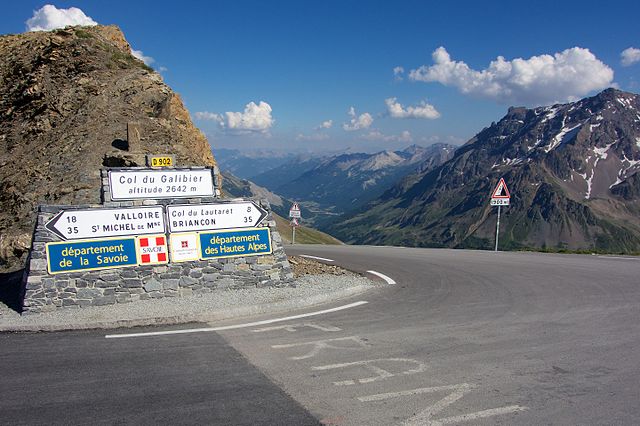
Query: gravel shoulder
x=315 y=284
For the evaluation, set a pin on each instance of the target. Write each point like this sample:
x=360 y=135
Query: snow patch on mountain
x=382 y=160
x=551 y=113
x=565 y=135
x=508 y=162
x=598 y=154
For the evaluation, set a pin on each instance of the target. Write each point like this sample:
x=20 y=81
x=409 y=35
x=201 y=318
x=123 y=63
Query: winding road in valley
x=450 y=337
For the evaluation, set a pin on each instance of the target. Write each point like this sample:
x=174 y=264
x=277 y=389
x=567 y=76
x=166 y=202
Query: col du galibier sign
x=173 y=183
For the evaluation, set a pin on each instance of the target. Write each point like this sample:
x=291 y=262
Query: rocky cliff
x=67 y=98
x=573 y=174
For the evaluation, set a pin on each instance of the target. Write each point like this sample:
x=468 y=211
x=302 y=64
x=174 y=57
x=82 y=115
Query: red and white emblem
x=153 y=250
x=500 y=195
x=184 y=247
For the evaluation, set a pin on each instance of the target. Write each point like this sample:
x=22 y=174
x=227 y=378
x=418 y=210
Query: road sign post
x=294 y=225
x=82 y=224
x=142 y=224
x=294 y=214
x=497 y=229
x=235 y=243
x=214 y=216
x=161 y=183
x=500 y=197
x=87 y=255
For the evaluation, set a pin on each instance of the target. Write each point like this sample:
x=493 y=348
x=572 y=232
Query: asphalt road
x=467 y=337
x=81 y=378
x=464 y=337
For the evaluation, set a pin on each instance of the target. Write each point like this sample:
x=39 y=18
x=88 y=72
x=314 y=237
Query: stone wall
x=45 y=292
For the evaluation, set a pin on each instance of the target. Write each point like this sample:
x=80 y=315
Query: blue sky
x=267 y=75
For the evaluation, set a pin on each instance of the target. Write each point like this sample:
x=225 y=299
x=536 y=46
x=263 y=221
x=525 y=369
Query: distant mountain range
x=235 y=187
x=572 y=170
x=332 y=185
x=246 y=164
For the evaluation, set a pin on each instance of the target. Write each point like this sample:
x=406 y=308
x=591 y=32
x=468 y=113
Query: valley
x=572 y=168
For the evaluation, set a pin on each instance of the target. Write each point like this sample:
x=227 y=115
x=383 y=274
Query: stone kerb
x=45 y=292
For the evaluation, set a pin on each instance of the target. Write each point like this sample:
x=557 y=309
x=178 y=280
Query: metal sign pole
x=293 y=239
x=497 y=229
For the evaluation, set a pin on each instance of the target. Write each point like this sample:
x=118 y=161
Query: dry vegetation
x=302 y=266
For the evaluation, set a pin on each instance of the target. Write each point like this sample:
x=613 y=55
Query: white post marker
x=294 y=225
x=500 y=197
x=294 y=214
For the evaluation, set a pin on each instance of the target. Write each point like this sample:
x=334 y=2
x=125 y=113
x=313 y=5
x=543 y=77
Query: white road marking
x=232 y=327
x=478 y=415
x=318 y=345
x=316 y=258
x=619 y=257
x=383 y=396
x=371 y=365
x=383 y=276
x=425 y=417
x=294 y=327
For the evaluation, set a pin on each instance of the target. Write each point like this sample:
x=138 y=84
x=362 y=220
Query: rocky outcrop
x=72 y=101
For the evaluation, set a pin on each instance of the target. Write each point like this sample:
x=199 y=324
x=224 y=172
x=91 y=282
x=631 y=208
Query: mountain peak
x=572 y=170
x=381 y=160
x=611 y=93
x=413 y=148
x=66 y=99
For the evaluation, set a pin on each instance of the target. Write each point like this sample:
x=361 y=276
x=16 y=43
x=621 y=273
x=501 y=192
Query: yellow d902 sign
x=161 y=161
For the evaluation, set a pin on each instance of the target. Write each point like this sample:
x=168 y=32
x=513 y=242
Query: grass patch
x=83 y=34
x=125 y=60
x=304 y=235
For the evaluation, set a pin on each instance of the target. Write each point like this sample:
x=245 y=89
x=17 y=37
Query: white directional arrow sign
x=212 y=216
x=99 y=223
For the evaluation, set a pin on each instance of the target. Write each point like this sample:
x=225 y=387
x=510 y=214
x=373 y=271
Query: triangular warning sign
x=501 y=190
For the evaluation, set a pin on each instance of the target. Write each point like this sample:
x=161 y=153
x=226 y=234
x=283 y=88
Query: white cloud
x=398 y=73
x=148 y=60
x=357 y=122
x=377 y=135
x=325 y=125
x=49 y=17
x=629 y=56
x=543 y=79
x=208 y=116
x=316 y=137
x=255 y=118
x=424 y=110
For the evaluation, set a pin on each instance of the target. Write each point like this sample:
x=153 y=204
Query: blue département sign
x=87 y=255
x=235 y=242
